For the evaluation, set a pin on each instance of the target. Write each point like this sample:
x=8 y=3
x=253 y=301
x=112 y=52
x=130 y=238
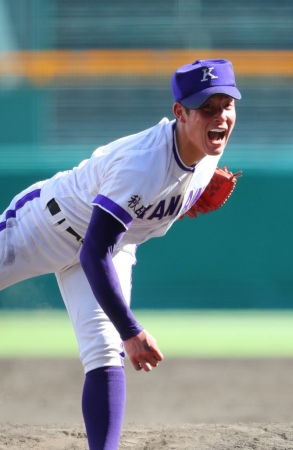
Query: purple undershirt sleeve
x=103 y=234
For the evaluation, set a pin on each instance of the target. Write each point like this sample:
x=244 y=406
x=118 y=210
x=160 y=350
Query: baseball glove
x=216 y=193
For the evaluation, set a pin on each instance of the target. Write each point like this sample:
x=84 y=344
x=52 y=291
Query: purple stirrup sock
x=103 y=403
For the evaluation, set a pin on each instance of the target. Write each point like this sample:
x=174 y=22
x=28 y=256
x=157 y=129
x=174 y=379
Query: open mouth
x=216 y=134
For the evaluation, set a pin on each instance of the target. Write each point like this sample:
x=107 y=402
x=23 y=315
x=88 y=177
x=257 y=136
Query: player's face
x=207 y=129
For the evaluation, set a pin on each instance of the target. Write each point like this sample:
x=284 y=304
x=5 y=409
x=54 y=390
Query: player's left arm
x=217 y=192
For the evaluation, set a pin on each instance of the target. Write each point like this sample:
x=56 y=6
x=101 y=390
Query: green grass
x=36 y=334
x=204 y=334
x=218 y=334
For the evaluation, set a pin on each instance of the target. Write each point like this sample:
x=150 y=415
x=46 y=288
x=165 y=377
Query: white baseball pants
x=32 y=243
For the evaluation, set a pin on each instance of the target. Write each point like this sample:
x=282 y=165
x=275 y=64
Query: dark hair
x=187 y=110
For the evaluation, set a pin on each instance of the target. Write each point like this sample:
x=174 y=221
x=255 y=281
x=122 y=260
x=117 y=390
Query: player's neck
x=189 y=153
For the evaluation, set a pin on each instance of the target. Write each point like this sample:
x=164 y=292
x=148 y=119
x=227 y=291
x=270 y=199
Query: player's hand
x=143 y=351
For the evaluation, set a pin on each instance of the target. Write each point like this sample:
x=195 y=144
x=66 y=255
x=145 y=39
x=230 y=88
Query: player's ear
x=179 y=112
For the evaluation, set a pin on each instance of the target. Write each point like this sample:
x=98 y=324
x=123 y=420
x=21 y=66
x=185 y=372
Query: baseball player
x=84 y=225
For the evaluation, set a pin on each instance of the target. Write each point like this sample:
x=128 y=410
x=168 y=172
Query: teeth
x=216 y=134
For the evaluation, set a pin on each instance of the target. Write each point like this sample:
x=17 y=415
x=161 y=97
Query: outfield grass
x=219 y=334
x=205 y=334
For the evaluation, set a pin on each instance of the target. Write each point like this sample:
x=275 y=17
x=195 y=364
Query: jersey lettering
x=188 y=202
x=133 y=202
x=159 y=211
x=142 y=213
x=198 y=194
x=172 y=206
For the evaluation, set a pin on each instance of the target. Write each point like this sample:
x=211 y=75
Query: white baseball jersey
x=140 y=180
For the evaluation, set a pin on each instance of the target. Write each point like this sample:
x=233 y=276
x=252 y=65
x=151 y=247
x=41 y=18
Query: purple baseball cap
x=194 y=83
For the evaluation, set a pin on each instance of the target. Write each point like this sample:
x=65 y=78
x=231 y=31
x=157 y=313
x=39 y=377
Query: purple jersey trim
x=11 y=213
x=112 y=207
x=176 y=156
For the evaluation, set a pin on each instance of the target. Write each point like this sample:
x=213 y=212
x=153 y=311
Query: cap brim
x=196 y=100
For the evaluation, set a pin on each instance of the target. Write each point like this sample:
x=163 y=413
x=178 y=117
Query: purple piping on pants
x=11 y=213
x=113 y=208
x=177 y=159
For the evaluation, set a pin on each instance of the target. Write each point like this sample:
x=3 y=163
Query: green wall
x=237 y=257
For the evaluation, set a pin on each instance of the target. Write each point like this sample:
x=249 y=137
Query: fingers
x=136 y=365
x=152 y=351
x=152 y=359
x=143 y=351
x=158 y=354
x=145 y=365
x=142 y=365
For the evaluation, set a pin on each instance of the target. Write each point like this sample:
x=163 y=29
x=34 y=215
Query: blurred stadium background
x=75 y=75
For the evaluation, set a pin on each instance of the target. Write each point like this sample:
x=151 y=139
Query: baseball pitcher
x=84 y=225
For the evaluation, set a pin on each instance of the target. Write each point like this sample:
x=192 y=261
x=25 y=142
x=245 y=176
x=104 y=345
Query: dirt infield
x=183 y=404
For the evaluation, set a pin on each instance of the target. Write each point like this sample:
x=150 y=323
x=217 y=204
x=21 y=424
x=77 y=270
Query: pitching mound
x=183 y=404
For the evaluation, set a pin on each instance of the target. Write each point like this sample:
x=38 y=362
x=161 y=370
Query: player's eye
x=207 y=106
x=229 y=104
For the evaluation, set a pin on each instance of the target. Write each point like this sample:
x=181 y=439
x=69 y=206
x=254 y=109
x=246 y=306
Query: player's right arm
x=103 y=235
